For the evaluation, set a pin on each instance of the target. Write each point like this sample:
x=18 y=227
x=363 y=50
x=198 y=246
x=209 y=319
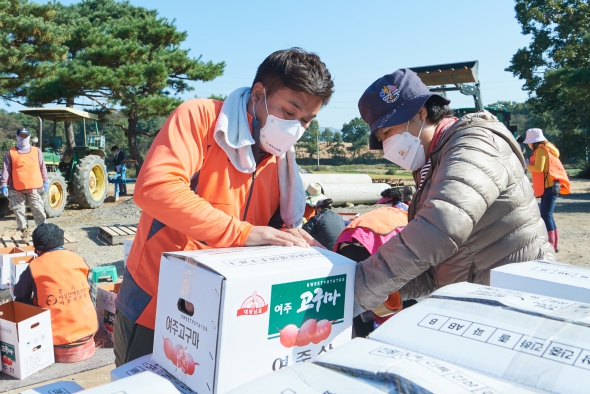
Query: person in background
x=312 y=195
x=326 y=225
x=362 y=238
x=408 y=193
x=394 y=197
x=549 y=179
x=58 y=280
x=473 y=210
x=118 y=157
x=23 y=174
x=221 y=174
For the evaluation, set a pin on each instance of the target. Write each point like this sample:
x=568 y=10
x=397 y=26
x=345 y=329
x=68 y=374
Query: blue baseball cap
x=391 y=100
x=22 y=130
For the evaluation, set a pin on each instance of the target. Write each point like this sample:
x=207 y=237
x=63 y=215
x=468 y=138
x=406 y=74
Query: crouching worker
x=326 y=225
x=58 y=280
x=362 y=238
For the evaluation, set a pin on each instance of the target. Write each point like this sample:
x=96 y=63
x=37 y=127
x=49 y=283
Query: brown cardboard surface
x=22 y=259
x=16 y=312
x=112 y=287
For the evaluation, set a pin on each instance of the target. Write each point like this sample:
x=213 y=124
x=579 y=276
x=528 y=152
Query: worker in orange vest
x=549 y=179
x=58 y=280
x=23 y=174
x=221 y=174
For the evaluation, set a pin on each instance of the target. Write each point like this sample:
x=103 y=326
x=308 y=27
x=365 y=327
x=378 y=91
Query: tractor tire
x=55 y=200
x=90 y=182
x=4 y=206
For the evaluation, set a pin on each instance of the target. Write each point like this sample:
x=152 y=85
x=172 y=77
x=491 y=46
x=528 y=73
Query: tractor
x=463 y=77
x=80 y=171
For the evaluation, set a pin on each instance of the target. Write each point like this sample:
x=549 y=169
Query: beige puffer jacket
x=476 y=211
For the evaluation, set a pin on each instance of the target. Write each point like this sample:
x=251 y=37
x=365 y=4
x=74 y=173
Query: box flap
x=400 y=369
x=109 y=286
x=246 y=262
x=555 y=308
x=551 y=271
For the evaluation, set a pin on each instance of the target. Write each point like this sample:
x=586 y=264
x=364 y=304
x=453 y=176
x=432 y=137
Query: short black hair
x=325 y=203
x=437 y=109
x=395 y=193
x=297 y=70
x=114 y=148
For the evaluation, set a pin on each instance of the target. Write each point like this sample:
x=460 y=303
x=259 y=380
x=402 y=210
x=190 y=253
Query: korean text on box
x=227 y=316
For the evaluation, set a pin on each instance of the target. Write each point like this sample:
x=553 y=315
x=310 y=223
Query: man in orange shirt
x=221 y=174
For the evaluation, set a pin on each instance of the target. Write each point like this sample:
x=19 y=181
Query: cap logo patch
x=389 y=93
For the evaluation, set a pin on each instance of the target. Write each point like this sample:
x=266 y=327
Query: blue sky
x=358 y=40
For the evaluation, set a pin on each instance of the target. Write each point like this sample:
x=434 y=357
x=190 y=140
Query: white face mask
x=279 y=135
x=23 y=142
x=405 y=150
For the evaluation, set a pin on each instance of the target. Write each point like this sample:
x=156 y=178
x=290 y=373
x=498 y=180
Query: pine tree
x=29 y=44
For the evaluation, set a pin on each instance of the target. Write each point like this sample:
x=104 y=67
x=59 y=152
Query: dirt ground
x=572 y=215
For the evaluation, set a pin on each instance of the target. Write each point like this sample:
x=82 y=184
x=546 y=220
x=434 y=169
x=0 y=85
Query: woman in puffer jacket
x=549 y=179
x=474 y=208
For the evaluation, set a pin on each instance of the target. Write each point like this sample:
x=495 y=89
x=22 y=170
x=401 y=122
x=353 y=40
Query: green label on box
x=7 y=350
x=296 y=302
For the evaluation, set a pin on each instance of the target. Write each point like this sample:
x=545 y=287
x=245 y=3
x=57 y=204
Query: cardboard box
x=106 y=294
x=553 y=308
x=144 y=364
x=307 y=378
x=535 y=351
x=401 y=370
x=546 y=278
x=17 y=266
x=126 y=249
x=62 y=387
x=26 y=341
x=5 y=255
x=245 y=301
x=142 y=383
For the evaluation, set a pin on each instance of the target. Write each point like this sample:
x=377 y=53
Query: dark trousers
x=132 y=340
x=547 y=206
x=122 y=186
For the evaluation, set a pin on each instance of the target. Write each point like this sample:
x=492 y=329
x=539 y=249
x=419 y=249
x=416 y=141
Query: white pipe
x=335 y=179
x=354 y=193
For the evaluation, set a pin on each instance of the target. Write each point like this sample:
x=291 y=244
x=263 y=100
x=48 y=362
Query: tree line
x=122 y=62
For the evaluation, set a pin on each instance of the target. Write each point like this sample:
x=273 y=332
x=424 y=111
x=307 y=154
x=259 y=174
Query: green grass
x=375 y=171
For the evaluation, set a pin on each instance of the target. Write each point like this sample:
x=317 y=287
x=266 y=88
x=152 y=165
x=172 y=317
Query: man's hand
x=301 y=233
x=5 y=191
x=263 y=235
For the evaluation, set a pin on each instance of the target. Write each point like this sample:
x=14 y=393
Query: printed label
x=253 y=305
x=296 y=302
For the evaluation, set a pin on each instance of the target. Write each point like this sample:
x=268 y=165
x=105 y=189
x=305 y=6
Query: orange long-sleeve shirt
x=192 y=197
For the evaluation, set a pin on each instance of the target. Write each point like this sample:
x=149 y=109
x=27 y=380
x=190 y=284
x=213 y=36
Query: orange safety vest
x=555 y=172
x=25 y=169
x=220 y=220
x=309 y=212
x=61 y=278
x=381 y=221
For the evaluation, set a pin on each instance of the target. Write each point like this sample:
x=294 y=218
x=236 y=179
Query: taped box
x=26 y=341
x=142 y=383
x=18 y=265
x=398 y=370
x=541 y=305
x=106 y=294
x=5 y=255
x=144 y=364
x=62 y=387
x=544 y=277
x=535 y=351
x=307 y=378
x=227 y=316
